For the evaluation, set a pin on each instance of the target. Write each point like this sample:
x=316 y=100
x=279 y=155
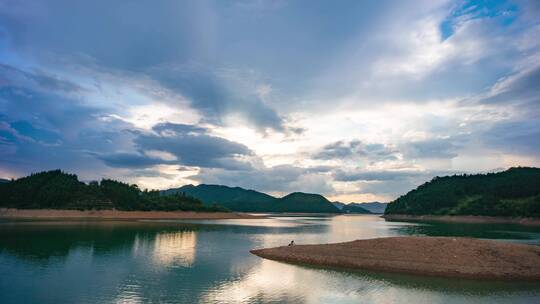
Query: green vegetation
x=239 y=199
x=59 y=190
x=305 y=202
x=236 y=199
x=514 y=192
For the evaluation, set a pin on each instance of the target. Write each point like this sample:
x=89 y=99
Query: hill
x=233 y=198
x=355 y=208
x=239 y=199
x=514 y=192
x=351 y=208
x=305 y=202
x=373 y=207
x=3 y=180
x=58 y=190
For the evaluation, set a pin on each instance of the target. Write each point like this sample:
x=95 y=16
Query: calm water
x=209 y=262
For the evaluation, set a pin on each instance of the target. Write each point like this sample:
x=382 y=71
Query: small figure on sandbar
x=291 y=243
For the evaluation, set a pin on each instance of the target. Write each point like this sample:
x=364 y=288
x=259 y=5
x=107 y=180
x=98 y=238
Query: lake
x=209 y=262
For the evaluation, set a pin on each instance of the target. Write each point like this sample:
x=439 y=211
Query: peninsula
x=433 y=256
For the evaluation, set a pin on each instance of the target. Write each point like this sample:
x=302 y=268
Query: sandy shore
x=435 y=256
x=529 y=221
x=52 y=214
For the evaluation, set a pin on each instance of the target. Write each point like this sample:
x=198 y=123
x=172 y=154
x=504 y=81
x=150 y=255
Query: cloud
x=409 y=57
x=349 y=96
x=174 y=49
x=341 y=150
x=390 y=182
x=520 y=88
x=381 y=175
x=519 y=92
x=47 y=126
x=432 y=148
x=191 y=145
x=131 y=160
x=220 y=92
x=26 y=131
x=515 y=136
x=282 y=178
x=63 y=28
x=12 y=76
x=171 y=129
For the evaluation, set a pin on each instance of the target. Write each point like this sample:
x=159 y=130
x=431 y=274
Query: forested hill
x=59 y=190
x=239 y=199
x=514 y=192
x=233 y=198
x=305 y=202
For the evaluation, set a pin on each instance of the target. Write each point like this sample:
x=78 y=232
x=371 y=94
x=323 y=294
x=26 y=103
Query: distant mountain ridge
x=239 y=199
x=233 y=197
x=373 y=207
x=351 y=208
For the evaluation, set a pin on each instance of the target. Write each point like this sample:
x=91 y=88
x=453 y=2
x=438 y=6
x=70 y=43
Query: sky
x=356 y=100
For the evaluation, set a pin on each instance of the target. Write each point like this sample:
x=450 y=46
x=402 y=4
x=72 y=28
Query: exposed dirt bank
x=465 y=219
x=52 y=214
x=435 y=256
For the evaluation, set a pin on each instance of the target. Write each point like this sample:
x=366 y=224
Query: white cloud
x=370 y=91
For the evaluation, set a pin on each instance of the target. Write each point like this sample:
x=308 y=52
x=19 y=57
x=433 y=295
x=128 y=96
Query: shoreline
x=63 y=214
x=430 y=256
x=467 y=219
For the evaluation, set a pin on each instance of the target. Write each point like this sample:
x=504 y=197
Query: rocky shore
x=52 y=214
x=470 y=219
